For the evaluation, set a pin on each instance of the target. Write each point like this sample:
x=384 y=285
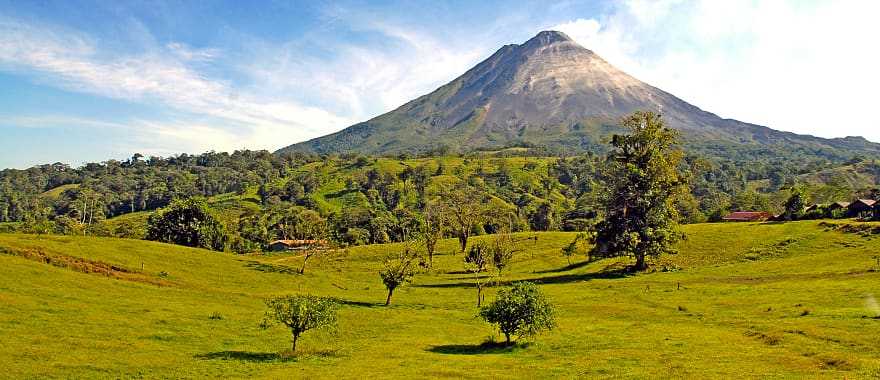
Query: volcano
x=554 y=93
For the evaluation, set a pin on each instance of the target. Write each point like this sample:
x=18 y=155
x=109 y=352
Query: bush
x=300 y=313
x=521 y=310
x=187 y=222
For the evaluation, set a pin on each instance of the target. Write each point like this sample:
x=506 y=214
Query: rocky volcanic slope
x=553 y=92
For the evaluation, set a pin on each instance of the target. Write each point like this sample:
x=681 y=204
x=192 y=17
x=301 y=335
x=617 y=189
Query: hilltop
x=552 y=92
x=740 y=300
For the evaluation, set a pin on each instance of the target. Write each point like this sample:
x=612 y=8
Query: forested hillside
x=368 y=199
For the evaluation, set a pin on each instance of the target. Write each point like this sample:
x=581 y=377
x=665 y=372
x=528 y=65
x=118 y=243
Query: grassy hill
x=55 y=192
x=787 y=300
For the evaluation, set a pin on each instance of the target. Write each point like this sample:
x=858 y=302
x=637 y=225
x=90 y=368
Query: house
x=747 y=216
x=861 y=207
x=296 y=245
x=815 y=207
x=838 y=206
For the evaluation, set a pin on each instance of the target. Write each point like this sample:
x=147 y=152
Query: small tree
x=432 y=229
x=476 y=261
x=318 y=248
x=575 y=245
x=398 y=270
x=300 y=313
x=187 y=222
x=521 y=310
x=502 y=248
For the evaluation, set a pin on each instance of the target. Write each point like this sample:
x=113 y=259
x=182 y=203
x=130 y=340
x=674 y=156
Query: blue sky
x=87 y=81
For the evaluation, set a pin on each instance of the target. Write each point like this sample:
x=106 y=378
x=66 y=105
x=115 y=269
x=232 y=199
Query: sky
x=87 y=81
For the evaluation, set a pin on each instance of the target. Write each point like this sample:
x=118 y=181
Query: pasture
x=773 y=300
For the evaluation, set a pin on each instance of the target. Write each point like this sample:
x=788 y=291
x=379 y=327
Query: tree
x=496 y=253
x=463 y=207
x=641 y=182
x=521 y=310
x=432 y=229
x=300 y=313
x=398 y=270
x=187 y=222
x=502 y=248
x=572 y=248
x=795 y=205
x=313 y=250
x=476 y=261
x=542 y=218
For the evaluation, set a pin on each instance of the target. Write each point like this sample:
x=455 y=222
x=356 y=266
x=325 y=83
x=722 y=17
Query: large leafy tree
x=187 y=222
x=642 y=180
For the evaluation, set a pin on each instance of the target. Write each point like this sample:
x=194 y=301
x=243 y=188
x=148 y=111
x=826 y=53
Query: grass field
x=792 y=300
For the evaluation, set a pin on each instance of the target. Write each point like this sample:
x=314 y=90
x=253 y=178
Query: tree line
x=354 y=199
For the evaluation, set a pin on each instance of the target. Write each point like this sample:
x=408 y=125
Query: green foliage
x=65 y=225
x=300 y=313
x=433 y=228
x=187 y=222
x=521 y=310
x=261 y=197
x=476 y=261
x=795 y=205
x=398 y=270
x=577 y=245
x=641 y=184
x=543 y=218
x=478 y=257
x=463 y=207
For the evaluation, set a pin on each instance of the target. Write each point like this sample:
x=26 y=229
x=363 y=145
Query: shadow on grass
x=478 y=349
x=264 y=357
x=560 y=279
x=244 y=356
x=567 y=267
x=270 y=268
x=359 y=303
x=457 y=272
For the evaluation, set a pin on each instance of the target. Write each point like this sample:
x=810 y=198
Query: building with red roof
x=747 y=216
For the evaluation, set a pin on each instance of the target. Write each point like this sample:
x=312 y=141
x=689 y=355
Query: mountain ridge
x=552 y=92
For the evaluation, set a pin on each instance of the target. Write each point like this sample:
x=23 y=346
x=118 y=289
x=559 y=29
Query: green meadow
x=772 y=300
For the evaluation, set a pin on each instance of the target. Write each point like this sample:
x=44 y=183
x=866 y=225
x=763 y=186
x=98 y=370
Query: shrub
x=521 y=310
x=300 y=313
x=187 y=222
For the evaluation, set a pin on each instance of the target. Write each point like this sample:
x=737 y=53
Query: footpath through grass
x=787 y=300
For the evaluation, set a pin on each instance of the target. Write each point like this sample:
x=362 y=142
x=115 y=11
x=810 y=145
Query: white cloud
x=54 y=121
x=72 y=61
x=362 y=81
x=796 y=66
x=295 y=96
x=186 y=53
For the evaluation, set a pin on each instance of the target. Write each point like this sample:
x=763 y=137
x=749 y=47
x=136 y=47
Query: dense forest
x=260 y=196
